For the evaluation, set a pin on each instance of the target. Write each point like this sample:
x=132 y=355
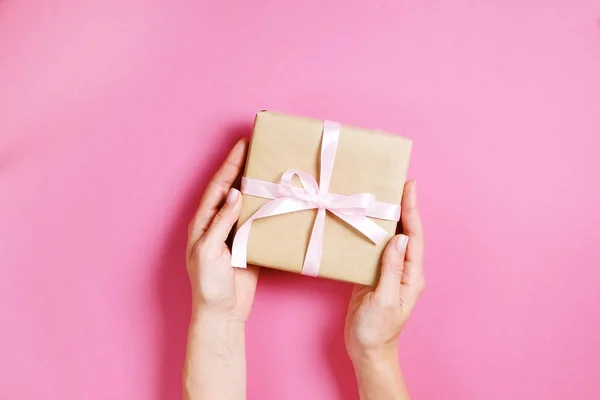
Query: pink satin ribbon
x=353 y=209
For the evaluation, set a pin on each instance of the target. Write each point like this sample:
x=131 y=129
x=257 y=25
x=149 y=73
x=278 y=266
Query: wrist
x=206 y=317
x=379 y=376
x=215 y=360
x=219 y=338
x=217 y=332
x=374 y=356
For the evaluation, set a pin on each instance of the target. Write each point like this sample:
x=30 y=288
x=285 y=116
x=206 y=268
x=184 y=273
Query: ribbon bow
x=286 y=198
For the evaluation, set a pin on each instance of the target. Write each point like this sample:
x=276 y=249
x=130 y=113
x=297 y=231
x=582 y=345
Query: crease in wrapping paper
x=366 y=162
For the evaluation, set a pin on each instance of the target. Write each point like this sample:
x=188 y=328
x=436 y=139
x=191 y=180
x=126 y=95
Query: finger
x=217 y=190
x=392 y=267
x=413 y=280
x=411 y=223
x=223 y=222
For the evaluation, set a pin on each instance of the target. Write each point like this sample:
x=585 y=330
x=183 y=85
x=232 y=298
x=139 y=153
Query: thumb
x=392 y=266
x=224 y=220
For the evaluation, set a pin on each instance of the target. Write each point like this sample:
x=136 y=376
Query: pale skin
x=222 y=296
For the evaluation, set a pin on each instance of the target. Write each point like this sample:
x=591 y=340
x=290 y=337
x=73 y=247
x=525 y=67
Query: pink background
x=114 y=114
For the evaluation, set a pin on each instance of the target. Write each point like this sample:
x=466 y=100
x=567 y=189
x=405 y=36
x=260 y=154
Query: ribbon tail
x=364 y=225
x=390 y=212
x=240 y=245
x=314 y=251
x=274 y=207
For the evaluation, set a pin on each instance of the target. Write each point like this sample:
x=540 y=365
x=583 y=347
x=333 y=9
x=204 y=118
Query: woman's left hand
x=222 y=296
x=217 y=287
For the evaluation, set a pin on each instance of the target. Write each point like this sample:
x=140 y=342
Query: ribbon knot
x=286 y=198
x=320 y=202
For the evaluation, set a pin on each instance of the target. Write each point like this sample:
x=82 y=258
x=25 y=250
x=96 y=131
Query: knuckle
x=395 y=268
x=201 y=253
x=218 y=185
x=218 y=218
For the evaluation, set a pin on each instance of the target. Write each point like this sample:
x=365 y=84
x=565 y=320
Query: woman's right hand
x=376 y=316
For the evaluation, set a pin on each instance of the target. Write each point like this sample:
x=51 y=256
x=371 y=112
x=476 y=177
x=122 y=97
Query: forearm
x=380 y=378
x=215 y=364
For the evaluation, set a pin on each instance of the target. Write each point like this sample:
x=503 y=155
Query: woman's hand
x=222 y=296
x=376 y=316
x=217 y=287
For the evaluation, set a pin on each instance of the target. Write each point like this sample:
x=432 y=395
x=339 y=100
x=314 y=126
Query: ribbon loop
x=286 y=198
x=309 y=184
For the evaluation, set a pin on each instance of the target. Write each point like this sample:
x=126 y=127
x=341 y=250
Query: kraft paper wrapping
x=366 y=161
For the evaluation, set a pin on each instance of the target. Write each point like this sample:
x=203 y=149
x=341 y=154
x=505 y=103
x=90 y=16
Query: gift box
x=319 y=198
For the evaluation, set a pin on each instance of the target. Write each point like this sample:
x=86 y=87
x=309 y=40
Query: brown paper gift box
x=366 y=161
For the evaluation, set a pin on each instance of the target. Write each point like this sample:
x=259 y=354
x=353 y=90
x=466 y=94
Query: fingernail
x=232 y=196
x=401 y=243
